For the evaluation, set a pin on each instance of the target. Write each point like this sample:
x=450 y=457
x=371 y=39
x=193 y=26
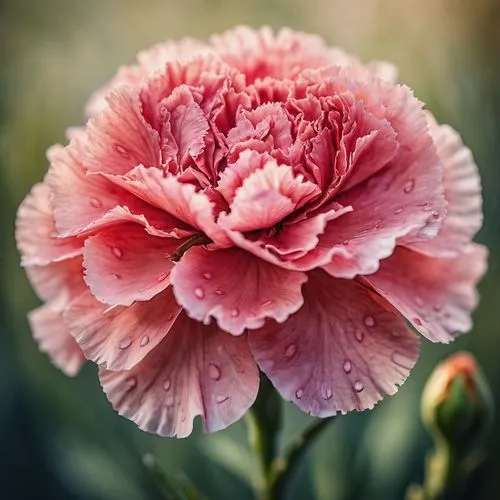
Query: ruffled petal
x=36 y=235
x=178 y=199
x=53 y=338
x=196 y=370
x=119 y=138
x=342 y=351
x=436 y=295
x=84 y=203
x=125 y=264
x=266 y=197
x=236 y=288
x=118 y=338
x=462 y=190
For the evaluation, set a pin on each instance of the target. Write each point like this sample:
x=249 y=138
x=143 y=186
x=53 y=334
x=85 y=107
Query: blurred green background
x=59 y=437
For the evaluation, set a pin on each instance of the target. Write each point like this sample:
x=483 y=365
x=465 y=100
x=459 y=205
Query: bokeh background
x=59 y=437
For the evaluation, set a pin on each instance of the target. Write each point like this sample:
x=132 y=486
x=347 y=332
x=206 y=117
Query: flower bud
x=457 y=405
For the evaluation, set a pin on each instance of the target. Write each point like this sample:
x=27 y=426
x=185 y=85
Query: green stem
x=264 y=425
x=285 y=467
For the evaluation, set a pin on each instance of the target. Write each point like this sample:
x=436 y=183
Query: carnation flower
x=260 y=202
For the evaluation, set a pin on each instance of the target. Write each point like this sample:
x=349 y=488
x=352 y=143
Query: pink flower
x=260 y=202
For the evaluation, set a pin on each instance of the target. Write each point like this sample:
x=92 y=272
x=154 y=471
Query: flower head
x=258 y=202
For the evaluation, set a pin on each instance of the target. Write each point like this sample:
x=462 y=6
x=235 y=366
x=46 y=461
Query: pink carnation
x=262 y=202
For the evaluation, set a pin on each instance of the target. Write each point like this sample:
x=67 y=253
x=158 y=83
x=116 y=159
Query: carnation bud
x=457 y=405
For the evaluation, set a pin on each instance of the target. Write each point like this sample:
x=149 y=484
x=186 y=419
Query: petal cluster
x=259 y=202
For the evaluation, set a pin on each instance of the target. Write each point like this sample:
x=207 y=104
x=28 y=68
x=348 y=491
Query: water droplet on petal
x=161 y=277
x=207 y=275
x=359 y=335
x=417 y=321
x=345 y=243
x=402 y=360
x=267 y=303
x=126 y=342
x=122 y=151
x=235 y=312
x=221 y=399
x=144 y=341
x=117 y=252
x=398 y=211
x=299 y=393
x=347 y=366
x=219 y=292
x=435 y=215
x=437 y=307
x=327 y=394
x=419 y=301
x=131 y=382
x=167 y=384
x=95 y=202
x=116 y=276
x=409 y=186
x=369 y=321
x=199 y=293
x=358 y=386
x=290 y=351
x=214 y=371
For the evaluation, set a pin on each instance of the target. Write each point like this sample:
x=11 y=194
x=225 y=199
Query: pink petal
x=462 y=190
x=36 y=236
x=58 y=282
x=180 y=200
x=118 y=338
x=205 y=285
x=266 y=197
x=84 y=203
x=342 y=351
x=125 y=264
x=53 y=337
x=195 y=371
x=119 y=138
x=436 y=295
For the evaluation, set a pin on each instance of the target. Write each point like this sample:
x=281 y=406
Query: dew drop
x=199 y=293
x=144 y=341
x=95 y=202
x=117 y=252
x=327 y=394
x=167 y=384
x=131 y=382
x=267 y=303
x=358 y=386
x=401 y=360
x=347 y=366
x=122 y=151
x=221 y=399
x=398 y=211
x=437 y=307
x=417 y=321
x=409 y=186
x=345 y=243
x=214 y=371
x=299 y=393
x=359 y=335
x=435 y=215
x=126 y=342
x=219 y=292
x=369 y=321
x=161 y=277
x=290 y=351
x=207 y=275
x=235 y=312
x=419 y=301
x=116 y=276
